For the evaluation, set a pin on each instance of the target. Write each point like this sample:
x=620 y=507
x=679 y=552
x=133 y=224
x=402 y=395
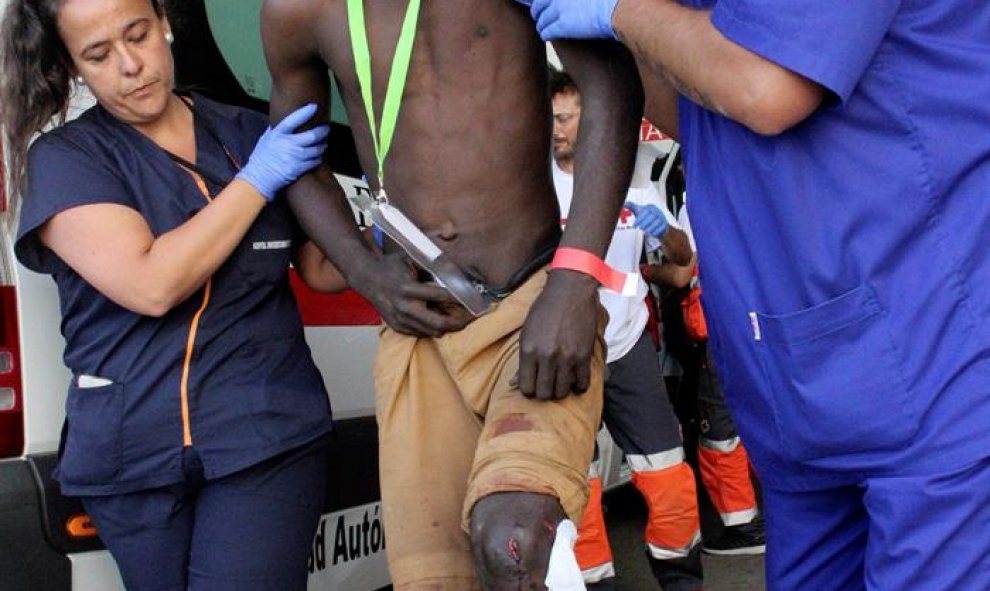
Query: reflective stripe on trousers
x=725 y=473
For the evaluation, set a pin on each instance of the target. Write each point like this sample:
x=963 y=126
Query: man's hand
x=558 y=338
x=408 y=305
x=649 y=219
x=573 y=19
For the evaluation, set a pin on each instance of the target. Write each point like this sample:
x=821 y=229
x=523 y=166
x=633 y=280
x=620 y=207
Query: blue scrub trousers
x=249 y=531
x=929 y=533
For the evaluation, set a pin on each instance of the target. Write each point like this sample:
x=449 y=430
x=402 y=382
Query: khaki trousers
x=452 y=429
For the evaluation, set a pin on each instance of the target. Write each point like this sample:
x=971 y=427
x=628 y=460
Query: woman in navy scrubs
x=196 y=418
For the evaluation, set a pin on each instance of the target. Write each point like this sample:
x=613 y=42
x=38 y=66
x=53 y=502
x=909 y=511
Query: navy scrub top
x=845 y=261
x=253 y=390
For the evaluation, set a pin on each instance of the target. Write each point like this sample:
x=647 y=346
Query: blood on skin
x=513 y=549
x=512 y=423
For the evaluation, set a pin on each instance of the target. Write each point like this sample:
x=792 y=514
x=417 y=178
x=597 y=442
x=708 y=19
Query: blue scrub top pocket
x=836 y=383
x=91 y=451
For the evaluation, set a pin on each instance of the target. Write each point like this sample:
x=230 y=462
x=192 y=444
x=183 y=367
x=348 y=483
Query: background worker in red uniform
x=637 y=410
x=722 y=459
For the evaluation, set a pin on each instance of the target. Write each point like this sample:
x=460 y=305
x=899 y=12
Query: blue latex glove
x=649 y=219
x=281 y=155
x=573 y=19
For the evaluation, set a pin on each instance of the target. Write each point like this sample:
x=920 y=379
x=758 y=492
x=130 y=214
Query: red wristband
x=574 y=259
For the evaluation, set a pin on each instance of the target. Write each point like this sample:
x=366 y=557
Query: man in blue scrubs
x=838 y=158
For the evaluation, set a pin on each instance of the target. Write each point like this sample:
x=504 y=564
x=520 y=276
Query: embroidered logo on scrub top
x=271 y=245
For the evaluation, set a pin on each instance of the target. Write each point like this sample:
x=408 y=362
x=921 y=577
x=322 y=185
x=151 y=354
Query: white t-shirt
x=627 y=316
x=685 y=223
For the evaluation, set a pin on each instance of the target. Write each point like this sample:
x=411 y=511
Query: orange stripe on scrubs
x=191 y=341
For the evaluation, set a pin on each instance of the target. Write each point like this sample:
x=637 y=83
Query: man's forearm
x=326 y=217
x=666 y=39
x=668 y=274
x=683 y=46
x=677 y=247
x=661 y=106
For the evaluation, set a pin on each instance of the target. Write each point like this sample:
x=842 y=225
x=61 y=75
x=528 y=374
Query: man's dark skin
x=470 y=166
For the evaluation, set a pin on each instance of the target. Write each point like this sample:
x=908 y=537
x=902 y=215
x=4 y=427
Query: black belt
x=502 y=291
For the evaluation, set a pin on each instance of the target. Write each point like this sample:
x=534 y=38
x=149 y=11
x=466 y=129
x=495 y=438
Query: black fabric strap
x=524 y=272
x=215 y=180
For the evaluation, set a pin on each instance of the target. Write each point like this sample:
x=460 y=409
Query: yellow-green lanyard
x=396 y=81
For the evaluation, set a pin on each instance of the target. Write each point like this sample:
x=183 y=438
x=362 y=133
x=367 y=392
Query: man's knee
x=511 y=538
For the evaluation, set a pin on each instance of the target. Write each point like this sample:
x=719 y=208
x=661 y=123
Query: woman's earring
x=80 y=81
x=169 y=37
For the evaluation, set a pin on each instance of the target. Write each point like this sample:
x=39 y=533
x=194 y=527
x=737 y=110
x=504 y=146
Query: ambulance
x=47 y=543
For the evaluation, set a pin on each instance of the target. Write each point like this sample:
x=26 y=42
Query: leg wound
x=511 y=424
x=514 y=549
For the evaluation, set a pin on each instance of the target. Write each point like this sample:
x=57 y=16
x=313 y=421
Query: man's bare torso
x=469 y=162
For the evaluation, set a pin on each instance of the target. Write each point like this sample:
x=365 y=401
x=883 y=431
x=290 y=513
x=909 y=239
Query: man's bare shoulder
x=297 y=18
x=294 y=31
x=294 y=10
